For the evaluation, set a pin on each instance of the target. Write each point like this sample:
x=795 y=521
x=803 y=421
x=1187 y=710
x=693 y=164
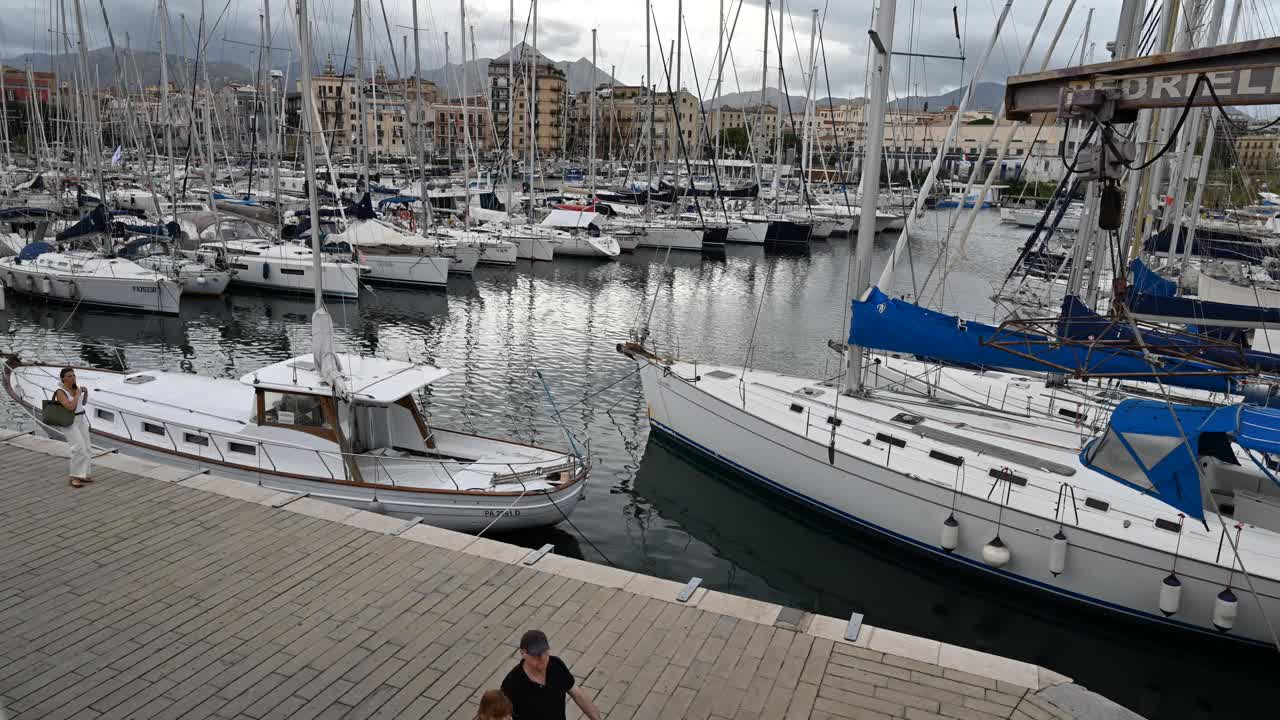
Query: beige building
x=338 y=105
x=510 y=102
x=1258 y=153
x=622 y=111
x=445 y=124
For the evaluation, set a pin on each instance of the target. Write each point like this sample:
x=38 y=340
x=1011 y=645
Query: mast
x=511 y=103
x=591 y=111
x=272 y=150
x=807 y=143
x=719 y=81
x=648 y=79
x=613 y=117
x=466 y=128
x=680 y=44
x=91 y=114
x=308 y=152
x=448 y=138
x=418 y=119
x=362 y=123
x=764 y=97
x=533 y=105
x=4 y=119
x=881 y=56
x=163 y=116
x=777 y=129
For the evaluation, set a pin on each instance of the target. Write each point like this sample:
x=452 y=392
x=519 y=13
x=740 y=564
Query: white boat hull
x=338 y=280
x=749 y=232
x=535 y=249
x=603 y=248
x=407 y=269
x=159 y=295
x=1101 y=570
x=675 y=238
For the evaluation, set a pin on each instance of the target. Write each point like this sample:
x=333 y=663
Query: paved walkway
x=160 y=593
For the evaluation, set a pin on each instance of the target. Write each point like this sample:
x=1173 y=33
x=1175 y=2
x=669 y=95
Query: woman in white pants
x=73 y=398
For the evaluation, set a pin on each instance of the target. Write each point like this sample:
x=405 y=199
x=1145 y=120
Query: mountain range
x=988 y=96
x=101 y=61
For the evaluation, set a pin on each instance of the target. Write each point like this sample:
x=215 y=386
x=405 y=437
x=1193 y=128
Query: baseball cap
x=534 y=642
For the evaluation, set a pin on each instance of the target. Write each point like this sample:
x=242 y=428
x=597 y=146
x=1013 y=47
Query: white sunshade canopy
x=572 y=218
x=368 y=379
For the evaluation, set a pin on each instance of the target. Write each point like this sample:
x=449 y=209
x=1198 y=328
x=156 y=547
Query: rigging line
x=580 y=533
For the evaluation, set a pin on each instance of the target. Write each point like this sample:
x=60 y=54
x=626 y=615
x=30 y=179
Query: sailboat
x=336 y=426
x=1048 y=485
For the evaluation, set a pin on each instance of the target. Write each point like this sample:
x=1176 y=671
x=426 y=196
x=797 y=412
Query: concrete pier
x=157 y=592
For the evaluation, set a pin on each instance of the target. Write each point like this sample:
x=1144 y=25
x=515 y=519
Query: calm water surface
x=517 y=340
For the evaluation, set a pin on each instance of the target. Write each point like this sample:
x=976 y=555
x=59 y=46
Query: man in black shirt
x=538 y=685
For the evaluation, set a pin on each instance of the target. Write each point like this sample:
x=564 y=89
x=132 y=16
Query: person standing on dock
x=538 y=685
x=73 y=397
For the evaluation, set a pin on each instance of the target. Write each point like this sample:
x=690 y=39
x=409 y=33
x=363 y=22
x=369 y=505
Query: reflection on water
x=517 y=339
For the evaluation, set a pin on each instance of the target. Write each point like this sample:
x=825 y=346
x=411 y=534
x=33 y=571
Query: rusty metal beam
x=1243 y=73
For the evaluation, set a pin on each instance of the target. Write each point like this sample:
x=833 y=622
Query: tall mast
x=449 y=127
x=466 y=128
x=91 y=115
x=613 y=116
x=362 y=123
x=163 y=116
x=533 y=105
x=4 y=119
x=511 y=102
x=719 y=80
x=272 y=150
x=871 y=174
x=308 y=151
x=418 y=119
x=650 y=160
x=764 y=96
x=591 y=110
x=807 y=144
x=777 y=127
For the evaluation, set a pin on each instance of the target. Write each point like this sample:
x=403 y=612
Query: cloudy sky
x=564 y=33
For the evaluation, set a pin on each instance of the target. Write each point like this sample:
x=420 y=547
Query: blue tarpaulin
x=397 y=200
x=1146 y=280
x=34 y=250
x=898 y=326
x=1155 y=308
x=94 y=222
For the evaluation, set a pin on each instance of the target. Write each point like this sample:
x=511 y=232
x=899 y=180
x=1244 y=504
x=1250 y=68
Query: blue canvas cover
x=898 y=326
x=1080 y=323
x=1146 y=280
x=34 y=250
x=1205 y=312
x=397 y=200
x=94 y=222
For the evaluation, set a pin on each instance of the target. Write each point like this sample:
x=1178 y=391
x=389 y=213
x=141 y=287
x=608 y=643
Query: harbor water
x=534 y=343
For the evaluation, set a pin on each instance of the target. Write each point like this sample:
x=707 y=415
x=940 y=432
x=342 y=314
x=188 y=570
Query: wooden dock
x=158 y=592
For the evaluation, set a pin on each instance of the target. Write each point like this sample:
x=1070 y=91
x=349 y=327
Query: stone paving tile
x=139 y=598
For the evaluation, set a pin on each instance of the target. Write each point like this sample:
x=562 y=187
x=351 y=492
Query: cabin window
x=105 y=415
x=152 y=428
x=294 y=409
x=239 y=266
x=292 y=271
x=193 y=439
x=242 y=448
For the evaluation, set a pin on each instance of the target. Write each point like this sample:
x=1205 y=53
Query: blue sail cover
x=397 y=200
x=898 y=326
x=34 y=250
x=94 y=222
x=1078 y=322
x=1145 y=446
x=1200 y=312
x=1145 y=280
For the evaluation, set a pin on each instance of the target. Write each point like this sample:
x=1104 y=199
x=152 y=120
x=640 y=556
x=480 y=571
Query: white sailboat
x=87 y=278
x=1005 y=474
x=337 y=426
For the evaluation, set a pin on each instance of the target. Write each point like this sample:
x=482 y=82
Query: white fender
x=950 y=533
x=1170 y=595
x=996 y=553
x=1058 y=554
x=1224 y=610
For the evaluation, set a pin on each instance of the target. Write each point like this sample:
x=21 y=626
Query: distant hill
x=988 y=96
x=772 y=96
x=579 y=72
x=102 y=63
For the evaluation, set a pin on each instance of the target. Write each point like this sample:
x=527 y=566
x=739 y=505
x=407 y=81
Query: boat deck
x=155 y=593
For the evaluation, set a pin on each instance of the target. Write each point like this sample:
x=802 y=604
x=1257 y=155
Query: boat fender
x=200 y=280
x=46 y=286
x=950 y=533
x=1170 y=595
x=31 y=283
x=266 y=270
x=375 y=506
x=74 y=289
x=996 y=553
x=1224 y=610
x=1058 y=553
